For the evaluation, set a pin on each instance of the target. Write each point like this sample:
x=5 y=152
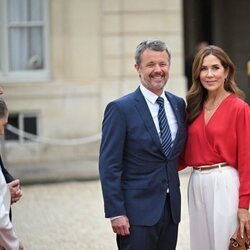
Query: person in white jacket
x=8 y=238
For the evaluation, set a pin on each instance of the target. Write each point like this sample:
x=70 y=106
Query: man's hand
x=244 y=219
x=15 y=191
x=21 y=247
x=121 y=225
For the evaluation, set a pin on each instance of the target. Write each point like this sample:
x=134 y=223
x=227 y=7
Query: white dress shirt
x=153 y=106
x=8 y=238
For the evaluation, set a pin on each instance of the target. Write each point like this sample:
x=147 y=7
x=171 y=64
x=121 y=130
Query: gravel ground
x=69 y=215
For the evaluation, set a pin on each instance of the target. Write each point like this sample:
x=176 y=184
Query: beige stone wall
x=92 y=44
x=124 y=25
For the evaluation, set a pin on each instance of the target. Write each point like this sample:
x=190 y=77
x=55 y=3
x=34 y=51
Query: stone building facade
x=87 y=59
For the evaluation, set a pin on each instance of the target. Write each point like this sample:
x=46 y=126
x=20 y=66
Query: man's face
x=3 y=123
x=154 y=70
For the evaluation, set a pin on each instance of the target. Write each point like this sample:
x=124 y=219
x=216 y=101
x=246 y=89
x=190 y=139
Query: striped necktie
x=166 y=139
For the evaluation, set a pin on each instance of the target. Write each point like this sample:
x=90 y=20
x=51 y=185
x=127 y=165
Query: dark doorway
x=197 y=24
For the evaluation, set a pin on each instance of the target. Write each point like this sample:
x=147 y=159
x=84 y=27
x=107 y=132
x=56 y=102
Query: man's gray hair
x=156 y=45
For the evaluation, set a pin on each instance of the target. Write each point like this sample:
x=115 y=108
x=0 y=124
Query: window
x=23 y=122
x=24 y=35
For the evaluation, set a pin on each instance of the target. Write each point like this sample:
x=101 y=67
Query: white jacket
x=8 y=238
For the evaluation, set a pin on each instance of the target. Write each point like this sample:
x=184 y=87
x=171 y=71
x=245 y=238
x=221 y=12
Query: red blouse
x=225 y=138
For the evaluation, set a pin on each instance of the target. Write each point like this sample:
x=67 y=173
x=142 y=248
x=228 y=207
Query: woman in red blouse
x=218 y=149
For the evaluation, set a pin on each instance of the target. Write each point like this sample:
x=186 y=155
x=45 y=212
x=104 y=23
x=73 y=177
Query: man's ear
x=137 y=67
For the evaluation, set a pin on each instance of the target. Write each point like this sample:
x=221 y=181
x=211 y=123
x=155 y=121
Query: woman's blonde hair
x=197 y=93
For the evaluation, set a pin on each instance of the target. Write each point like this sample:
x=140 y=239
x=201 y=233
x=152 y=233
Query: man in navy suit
x=140 y=183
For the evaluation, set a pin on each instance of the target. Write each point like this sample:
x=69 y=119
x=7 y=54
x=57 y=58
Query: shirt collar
x=150 y=96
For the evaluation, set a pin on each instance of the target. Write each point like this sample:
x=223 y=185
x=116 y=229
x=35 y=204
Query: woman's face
x=212 y=74
x=3 y=123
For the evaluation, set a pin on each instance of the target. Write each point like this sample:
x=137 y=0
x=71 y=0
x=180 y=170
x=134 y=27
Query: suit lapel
x=145 y=114
x=177 y=113
x=1 y=162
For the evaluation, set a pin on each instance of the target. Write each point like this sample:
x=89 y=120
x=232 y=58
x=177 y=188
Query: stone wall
x=91 y=47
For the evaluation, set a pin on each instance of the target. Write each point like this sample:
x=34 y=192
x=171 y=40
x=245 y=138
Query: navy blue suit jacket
x=134 y=171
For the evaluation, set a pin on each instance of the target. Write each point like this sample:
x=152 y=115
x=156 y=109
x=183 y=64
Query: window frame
x=8 y=76
x=20 y=119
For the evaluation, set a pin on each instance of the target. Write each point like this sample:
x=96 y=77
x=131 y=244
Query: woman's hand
x=244 y=220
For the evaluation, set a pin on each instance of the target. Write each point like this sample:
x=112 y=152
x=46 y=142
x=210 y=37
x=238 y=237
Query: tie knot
x=160 y=100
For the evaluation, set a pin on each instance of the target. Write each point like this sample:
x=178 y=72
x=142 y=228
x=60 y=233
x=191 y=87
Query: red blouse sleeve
x=243 y=154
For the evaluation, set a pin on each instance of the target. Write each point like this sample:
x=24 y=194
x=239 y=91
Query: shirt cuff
x=116 y=217
x=244 y=201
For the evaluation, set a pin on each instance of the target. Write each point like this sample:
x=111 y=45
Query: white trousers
x=213 y=204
